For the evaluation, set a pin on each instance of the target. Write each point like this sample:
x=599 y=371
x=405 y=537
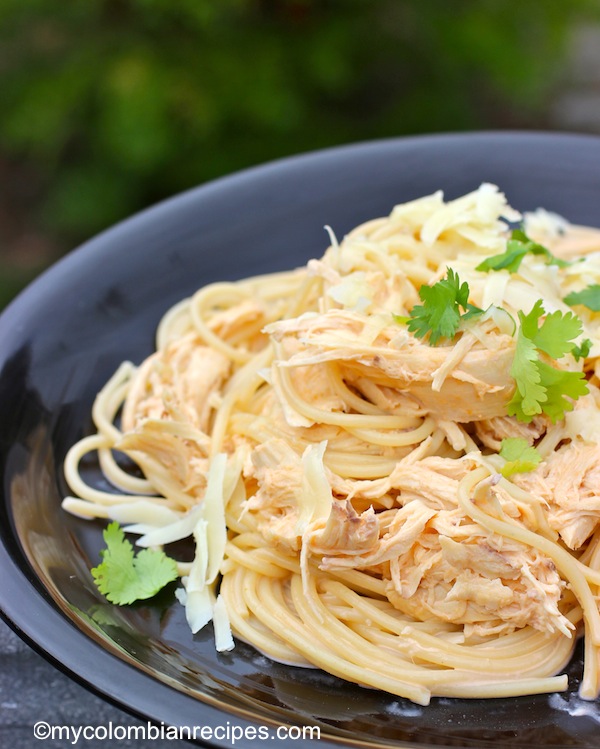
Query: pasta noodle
x=342 y=473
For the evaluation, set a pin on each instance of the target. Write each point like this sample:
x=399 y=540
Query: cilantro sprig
x=124 y=577
x=541 y=387
x=517 y=247
x=583 y=350
x=520 y=456
x=445 y=305
x=588 y=297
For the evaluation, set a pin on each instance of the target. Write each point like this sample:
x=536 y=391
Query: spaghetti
x=341 y=476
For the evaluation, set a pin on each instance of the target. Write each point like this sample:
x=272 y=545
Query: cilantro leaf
x=557 y=332
x=560 y=383
x=540 y=387
x=530 y=321
x=582 y=351
x=520 y=456
x=518 y=235
x=440 y=314
x=509 y=260
x=530 y=393
x=124 y=577
x=517 y=247
x=589 y=297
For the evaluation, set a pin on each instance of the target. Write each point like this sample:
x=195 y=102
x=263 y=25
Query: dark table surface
x=32 y=690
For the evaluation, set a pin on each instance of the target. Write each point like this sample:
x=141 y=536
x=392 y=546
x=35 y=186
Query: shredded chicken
x=491 y=432
x=176 y=461
x=477 y=385
x=569 y=481
x=437 y=562
x=345 y=532
x=277 y=469
x=402 y=533
x=176 y=383
x=241 y=322
x=165 y=418
x=442 y=565
x=312 y=384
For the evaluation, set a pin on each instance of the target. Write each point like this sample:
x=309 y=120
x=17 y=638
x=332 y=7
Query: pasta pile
x=343 y=468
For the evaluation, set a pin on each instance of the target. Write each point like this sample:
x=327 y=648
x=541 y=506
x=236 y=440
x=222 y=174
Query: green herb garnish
x=588 y=297
x=519 y=455
x=124 y=577
x=517 y=247
x=445 y=305
x=540 y=387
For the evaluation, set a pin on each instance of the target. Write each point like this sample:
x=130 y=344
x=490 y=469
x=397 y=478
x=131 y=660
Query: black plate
x=63 y=337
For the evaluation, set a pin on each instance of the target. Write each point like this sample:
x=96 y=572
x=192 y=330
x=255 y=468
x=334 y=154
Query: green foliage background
x=107 y=106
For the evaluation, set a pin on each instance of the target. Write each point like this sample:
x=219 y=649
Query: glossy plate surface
x=65 y=335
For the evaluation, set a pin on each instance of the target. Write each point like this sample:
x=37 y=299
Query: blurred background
x=107 y=106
